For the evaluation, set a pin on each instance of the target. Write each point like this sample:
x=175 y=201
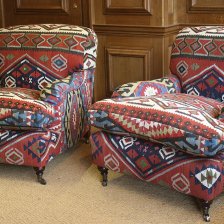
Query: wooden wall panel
x=199 y=12
x=41 y=6
x=124 y=58
x=127 y=7
x=205 y=6
x=18 y=12
x=133 y=45
x=126 y=65
x=127 y=12
x=122 y=29
x=169 y=9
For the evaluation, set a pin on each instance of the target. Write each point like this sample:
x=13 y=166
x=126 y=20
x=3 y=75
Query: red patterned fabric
x=221 y=117
x=197 y=59
x=33 y=56
x=46 y=79
x=152 y=162
x=185 y=122
x=30 y=148
x=174 y=139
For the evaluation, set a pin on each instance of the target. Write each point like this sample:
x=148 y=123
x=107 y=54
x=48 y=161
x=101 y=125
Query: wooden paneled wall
x=16 y=12
x=201 y=12
x=134 y=42
x=136 y=36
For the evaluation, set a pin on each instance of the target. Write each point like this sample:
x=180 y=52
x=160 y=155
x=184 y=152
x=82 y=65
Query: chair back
x=31 y=56
x=197 y=59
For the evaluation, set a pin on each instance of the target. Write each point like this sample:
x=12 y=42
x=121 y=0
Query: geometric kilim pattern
x=148 y=88
x=34 y=55
x=207 y=177
x=209 y=83
x=29 y=148
x=197 y=59
x=46 y=79
x=72 y=96
x=21 y=109
x=153 y=162
x=27 y=73
x=184 y=122
x=170 y=131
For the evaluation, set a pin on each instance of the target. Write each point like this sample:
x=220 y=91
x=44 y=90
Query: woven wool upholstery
x=170 y=131
x=155 y=163
x=46 y=78
x=21 y=109
x=182 y=121
x=148 y=88
x=33 y=56
x=197 y=60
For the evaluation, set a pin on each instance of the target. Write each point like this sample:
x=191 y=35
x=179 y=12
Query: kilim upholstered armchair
x=46 y=86
x=170 y=131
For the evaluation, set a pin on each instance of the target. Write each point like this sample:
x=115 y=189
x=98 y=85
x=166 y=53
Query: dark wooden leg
x=39 y=173
x=104 y=172
x=86 y=137
x=205 y=205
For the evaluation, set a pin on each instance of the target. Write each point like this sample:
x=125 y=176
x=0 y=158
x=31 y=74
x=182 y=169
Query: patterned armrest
x=148 y=88
x=56 y=92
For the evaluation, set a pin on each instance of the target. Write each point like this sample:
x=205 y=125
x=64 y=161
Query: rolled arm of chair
x=71 y=96
x=56 y=92
x=163 y=85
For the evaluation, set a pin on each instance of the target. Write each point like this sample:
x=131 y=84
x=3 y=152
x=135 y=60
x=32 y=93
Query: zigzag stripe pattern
x=185 y=122
x=197 y=60
x=148 y=88
x=60 y=50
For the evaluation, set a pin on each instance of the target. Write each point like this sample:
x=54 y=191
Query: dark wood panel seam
x=41 y=11
x=102 y=29
x=144 y=10
x=191 y=8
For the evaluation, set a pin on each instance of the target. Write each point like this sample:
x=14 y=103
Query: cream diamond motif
x=14 y=156
x=208 y=177
x=59 y=63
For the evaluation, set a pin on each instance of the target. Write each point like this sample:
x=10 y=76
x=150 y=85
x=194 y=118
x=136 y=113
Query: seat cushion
x=185 y=122
x=21 y=109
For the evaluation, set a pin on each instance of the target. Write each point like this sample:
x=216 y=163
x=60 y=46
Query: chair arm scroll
x=163 y=85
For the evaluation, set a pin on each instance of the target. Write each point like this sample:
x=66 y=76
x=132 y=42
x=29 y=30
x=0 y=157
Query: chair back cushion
x=31 y=56
x=198 y=60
